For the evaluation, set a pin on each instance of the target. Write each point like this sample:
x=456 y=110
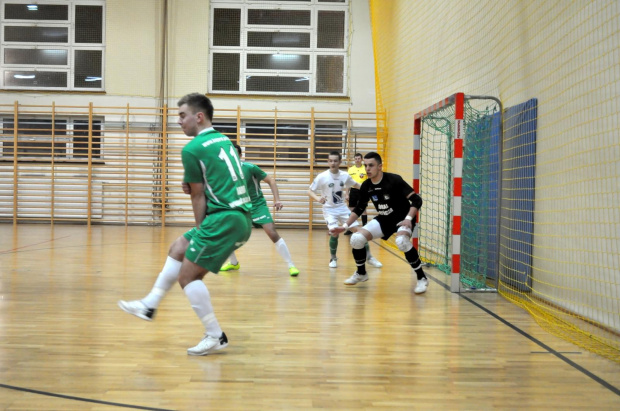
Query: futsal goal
x=456 y=170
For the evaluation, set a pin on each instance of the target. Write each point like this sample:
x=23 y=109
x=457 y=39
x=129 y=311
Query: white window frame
x=70 y=46
x=313 y=51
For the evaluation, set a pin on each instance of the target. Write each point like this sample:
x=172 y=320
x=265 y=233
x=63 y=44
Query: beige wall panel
x=188 y=50
x=133 y=38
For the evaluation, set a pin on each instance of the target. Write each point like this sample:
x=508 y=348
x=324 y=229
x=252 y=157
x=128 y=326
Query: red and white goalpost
x=439 y=158
x=457 y=176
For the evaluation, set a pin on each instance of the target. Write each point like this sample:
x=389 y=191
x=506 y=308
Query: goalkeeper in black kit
x=397 y=205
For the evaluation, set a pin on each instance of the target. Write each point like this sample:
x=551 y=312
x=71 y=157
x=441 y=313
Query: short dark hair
x=238 y=147
x=335 y=153
x=373 y=155
x=198 y=102
x=358 y=155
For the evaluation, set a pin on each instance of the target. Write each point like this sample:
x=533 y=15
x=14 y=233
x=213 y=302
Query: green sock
x=333 y=245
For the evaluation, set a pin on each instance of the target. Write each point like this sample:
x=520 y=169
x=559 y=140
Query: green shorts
x=219 y=235
x=261 y=216
x=190 y=234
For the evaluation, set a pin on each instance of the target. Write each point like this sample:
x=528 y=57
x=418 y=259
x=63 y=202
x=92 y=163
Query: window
x=327 y=138
x=228 y=129
x=285 y=47
x=287 y=143
x=38 y=138
x=52 y=46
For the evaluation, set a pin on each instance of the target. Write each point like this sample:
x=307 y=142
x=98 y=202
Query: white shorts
x=374 y=228
x=337 y=217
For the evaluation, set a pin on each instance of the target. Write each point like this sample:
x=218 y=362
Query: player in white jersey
x=328 y=188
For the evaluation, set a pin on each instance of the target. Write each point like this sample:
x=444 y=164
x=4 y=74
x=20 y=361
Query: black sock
x=413 y=259
x=360 y=260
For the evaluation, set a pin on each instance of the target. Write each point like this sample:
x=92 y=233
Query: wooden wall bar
x=121 y=165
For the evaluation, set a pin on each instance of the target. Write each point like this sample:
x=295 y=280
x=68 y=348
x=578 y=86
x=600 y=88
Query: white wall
x=133 y=61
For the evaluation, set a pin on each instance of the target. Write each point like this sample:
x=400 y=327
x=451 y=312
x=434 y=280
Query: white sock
x=165 y=280
x=200 y=299
x=283 y=250
x=233 y=259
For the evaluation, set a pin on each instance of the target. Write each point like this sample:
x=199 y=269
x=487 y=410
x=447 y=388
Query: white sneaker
x=208 y=345
x=333 y=263
x=356 y=278
x=138 y=309
x=374 y=262
x=421 y=286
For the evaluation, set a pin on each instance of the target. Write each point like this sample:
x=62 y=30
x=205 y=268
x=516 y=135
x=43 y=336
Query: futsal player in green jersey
x=261 y=217
x=221 y=206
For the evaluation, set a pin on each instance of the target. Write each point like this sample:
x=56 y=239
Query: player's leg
x=281 y=247
x=199 y=297
x=147 y=307
x=372 y=260
x=359 y=243
x=359 y=240
x=348 y=232
x=333 y=248
x=220 y=234
x=369 y=258
x=332 y=222
x=232 y=264
x=403 y=241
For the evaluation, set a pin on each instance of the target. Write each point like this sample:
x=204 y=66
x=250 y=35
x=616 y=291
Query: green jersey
x=253 y=176
x=210 y=158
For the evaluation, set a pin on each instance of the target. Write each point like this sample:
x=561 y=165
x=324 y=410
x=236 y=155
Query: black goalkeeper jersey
x=389 y=197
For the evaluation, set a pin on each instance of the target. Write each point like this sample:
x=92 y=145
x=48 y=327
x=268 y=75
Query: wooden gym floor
x=295 y=343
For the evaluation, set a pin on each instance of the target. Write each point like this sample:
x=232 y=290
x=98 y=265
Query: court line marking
x=491 y=313
x=31 y=245
x=19 y=249
x=550 y=350
x=70 y=397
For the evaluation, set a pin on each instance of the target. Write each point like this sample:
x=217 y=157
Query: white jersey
x=332 y=187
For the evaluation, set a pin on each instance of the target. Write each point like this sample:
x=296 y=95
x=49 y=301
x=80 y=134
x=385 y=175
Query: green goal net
x=457 y=174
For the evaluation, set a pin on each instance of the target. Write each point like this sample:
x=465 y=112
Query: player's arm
x=416 y=203
x=337 y=230
x=192 y=173
x=274 y=189
x=199 y=202
x=186 y=188
x=315 y=197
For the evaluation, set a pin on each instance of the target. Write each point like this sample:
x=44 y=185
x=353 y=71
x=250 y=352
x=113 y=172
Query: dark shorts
x=354 y=197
